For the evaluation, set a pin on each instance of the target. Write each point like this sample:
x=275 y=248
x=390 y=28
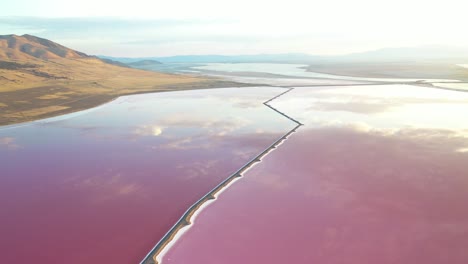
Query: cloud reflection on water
x=116 y=178
x=355 y=184
x=9 y=143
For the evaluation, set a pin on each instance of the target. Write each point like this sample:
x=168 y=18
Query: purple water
x=378 y=174
x=104 y=186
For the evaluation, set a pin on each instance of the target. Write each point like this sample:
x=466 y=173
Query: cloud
x=462 y=150
x=9 y=143
x=205 y=132
x=107 y=185
x=214 y=126
x=149 y=130
x=127 y=37
x=356 y=107
x=243 y=26
x=132 y=37
x=198 y=169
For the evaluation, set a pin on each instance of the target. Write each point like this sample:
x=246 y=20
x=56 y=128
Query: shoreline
x=381 y=73
x=92 y=101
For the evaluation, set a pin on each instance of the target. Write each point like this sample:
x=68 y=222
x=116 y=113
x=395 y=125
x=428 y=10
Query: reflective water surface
x=297 y=70
x=378 y=174
x=455 y=86
x=285 y=81
x=105 y=185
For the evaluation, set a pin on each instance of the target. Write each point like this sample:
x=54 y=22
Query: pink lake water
x=378 y=174
x=103 y=186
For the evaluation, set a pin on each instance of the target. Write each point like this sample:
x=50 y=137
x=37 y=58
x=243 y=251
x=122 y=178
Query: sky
x=144 y=28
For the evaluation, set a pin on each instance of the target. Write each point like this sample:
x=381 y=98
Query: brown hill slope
x=40 y=78
x=25 y=47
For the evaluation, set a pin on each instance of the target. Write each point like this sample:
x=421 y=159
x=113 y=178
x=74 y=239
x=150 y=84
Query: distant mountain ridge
x=404 y=54
x=273 y=58
x=13 y=47
x=143 y=63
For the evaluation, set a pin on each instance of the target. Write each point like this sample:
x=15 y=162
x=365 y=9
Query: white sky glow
x=242 y=26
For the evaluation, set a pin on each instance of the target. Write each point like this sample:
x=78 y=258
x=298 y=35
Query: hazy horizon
x=143 y=28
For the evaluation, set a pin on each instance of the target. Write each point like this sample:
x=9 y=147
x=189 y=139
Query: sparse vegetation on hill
x=40 y=78
x=25 y=47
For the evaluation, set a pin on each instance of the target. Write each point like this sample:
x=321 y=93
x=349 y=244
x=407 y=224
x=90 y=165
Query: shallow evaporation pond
x=376 y=175
x=105 y=185
x=294 y=70
x=287 y=81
